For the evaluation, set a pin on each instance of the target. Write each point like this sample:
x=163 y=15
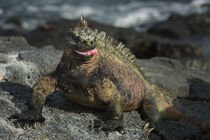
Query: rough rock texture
x=192 y=86
x=66 y=120
x=28 y=65
x=197 y=64
x=176 y=77
x=179 y=27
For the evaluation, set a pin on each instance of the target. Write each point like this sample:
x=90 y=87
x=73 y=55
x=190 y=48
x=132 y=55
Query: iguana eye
x=93 y=43
x=74 y=37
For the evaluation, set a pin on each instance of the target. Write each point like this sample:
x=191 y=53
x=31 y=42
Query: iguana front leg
x=41 y=90
x=109 y=94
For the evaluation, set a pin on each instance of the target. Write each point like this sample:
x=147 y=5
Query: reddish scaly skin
x=131 y=90
x=104 y=81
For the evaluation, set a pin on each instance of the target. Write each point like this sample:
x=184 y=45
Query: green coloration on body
x=97 y=71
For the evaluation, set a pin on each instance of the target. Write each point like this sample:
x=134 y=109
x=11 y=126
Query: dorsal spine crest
x=117 y=48
x=110 y=44
x=102 y=36
x=82 y=23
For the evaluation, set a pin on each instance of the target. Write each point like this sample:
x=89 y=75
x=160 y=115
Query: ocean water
x=119 y=13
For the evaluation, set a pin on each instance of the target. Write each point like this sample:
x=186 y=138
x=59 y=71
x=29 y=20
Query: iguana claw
x=27 y=119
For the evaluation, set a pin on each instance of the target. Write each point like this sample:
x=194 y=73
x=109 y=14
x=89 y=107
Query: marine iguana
x=97 y=71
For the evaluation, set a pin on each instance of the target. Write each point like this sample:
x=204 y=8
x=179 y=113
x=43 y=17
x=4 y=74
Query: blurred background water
x=137 y=14
x=119 y=13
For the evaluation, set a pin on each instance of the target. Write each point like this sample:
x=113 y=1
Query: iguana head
x=82 y=39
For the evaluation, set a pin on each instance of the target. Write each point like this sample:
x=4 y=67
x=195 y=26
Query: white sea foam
x=198 y=5
x=50 y=8
x=138 y=13
x=139 y=16
x=72 y=12
x=121 y=14
x=32 y=9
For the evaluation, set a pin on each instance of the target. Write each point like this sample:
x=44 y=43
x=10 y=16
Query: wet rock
x=179 y=27
x=57 y=36
x=13 y=43
x=14 y=20
x=143 y=45
x=146 y=47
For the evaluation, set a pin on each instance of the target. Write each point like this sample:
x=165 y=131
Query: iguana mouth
x=87 y=53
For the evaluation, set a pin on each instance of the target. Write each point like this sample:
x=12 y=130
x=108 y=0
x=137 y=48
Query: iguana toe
x=27 y=119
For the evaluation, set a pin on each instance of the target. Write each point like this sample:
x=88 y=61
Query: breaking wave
x=121 y=13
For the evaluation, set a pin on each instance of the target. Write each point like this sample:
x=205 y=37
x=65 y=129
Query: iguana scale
x=97 y=71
